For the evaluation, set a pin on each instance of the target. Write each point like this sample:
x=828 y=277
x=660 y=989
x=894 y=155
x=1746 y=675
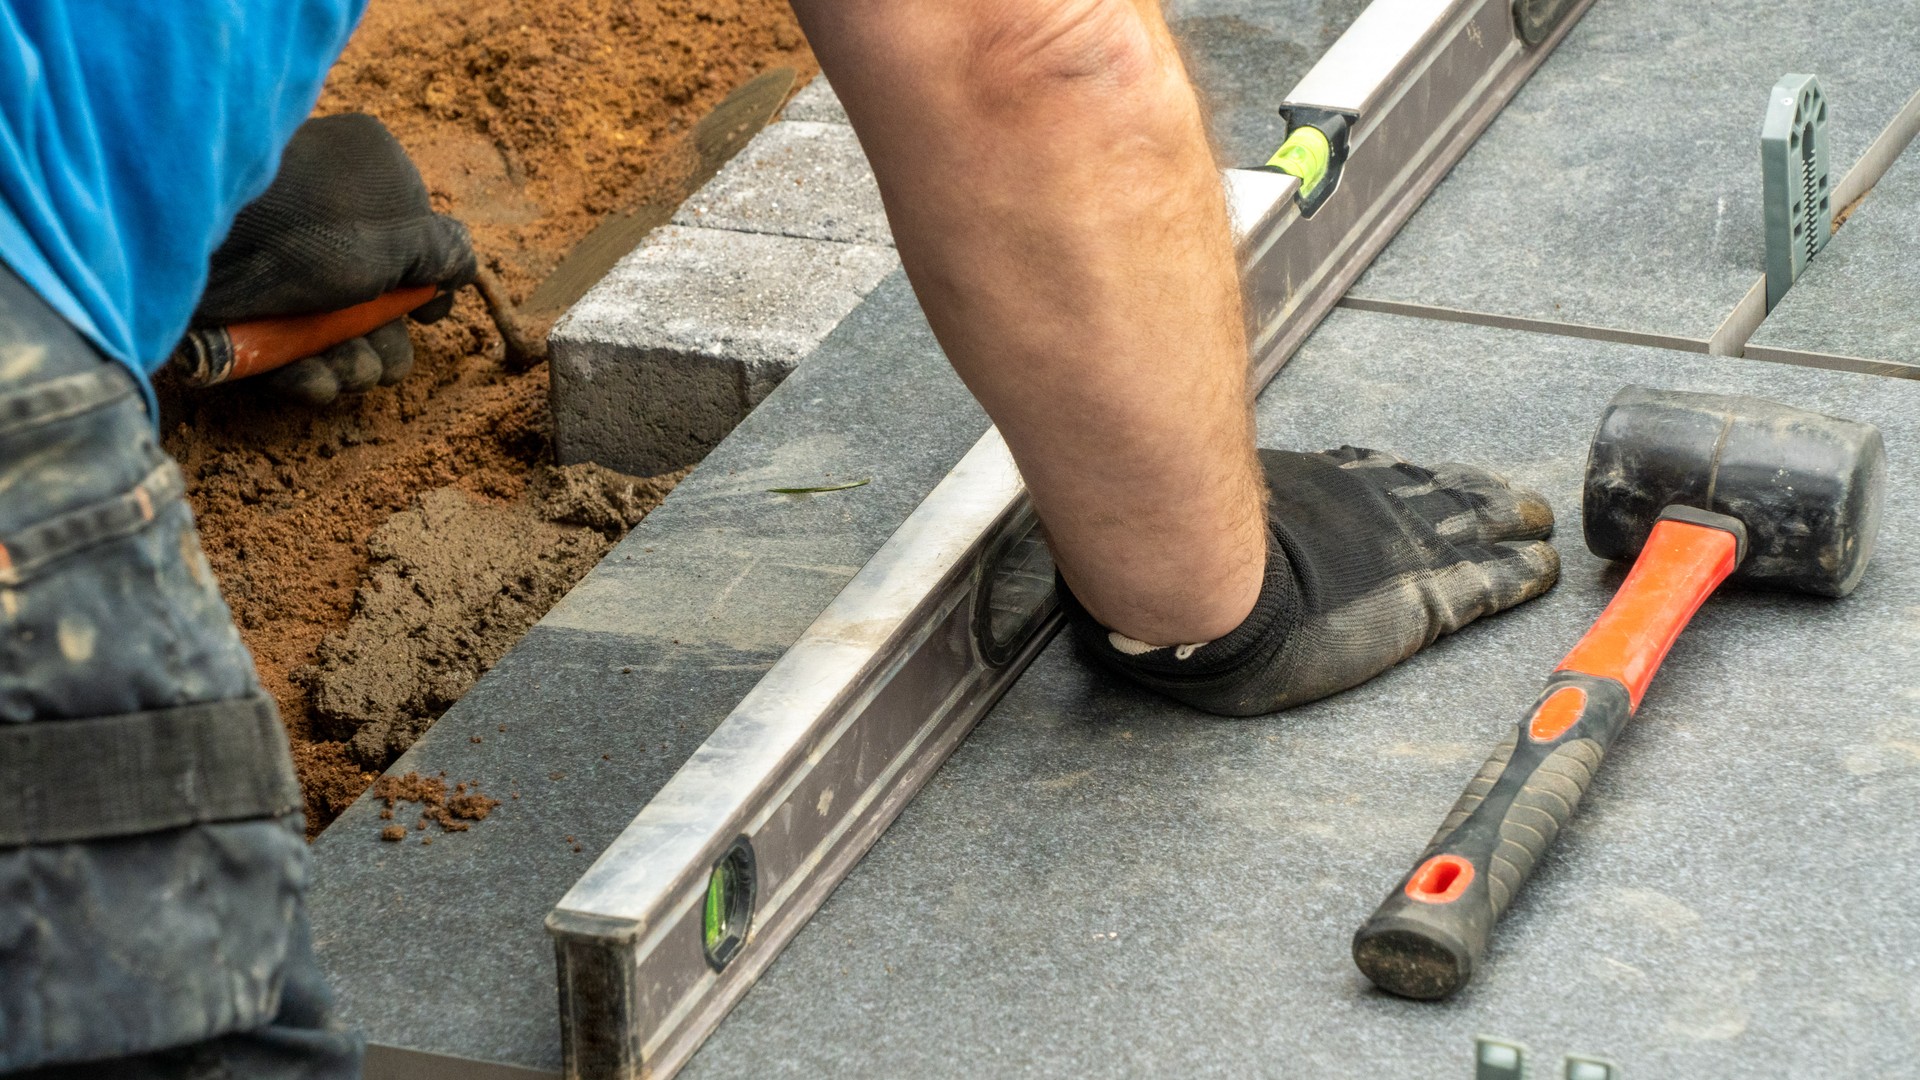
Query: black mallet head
x=1806 y=486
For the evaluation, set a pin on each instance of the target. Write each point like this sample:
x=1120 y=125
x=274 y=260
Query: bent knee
x=1019 y=47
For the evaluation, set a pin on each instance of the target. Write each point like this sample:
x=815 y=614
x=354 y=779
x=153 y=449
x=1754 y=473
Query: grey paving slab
x=1099 y=883
x=796 y=178
x=1621 y=187
x=686 y=334
x=440 y=947
x=1856 y=298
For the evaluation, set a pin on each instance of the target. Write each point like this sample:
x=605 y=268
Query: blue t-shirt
x=131 y=133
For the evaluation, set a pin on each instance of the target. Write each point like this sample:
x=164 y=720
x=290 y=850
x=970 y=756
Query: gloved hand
x=346 y=219
x=1369 y=559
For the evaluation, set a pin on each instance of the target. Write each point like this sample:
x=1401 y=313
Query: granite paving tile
x=1099 y=883
x=1621 y=188
x=1856 y=298
x=440 y=948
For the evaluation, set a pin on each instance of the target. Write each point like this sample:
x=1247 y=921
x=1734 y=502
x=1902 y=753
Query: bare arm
x=1046 y=171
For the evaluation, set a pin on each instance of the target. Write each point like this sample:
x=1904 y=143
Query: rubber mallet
x=1700 y=488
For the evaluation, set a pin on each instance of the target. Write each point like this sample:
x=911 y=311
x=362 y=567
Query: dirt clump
x=454 y=581
x=530 y=120
x=453 y=811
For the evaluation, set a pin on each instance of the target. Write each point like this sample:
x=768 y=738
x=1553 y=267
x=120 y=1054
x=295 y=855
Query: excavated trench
x=380 y=554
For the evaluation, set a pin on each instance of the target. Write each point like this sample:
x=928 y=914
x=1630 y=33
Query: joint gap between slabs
x=1436 y=313
x=1831 y=362
x=785 y=235
x=1751 y=312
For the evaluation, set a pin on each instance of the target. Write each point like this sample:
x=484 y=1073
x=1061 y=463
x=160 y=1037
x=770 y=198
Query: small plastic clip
x=1498 y=1059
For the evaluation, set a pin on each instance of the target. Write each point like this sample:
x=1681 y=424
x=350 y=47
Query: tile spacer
x=1580 y=1067
x=1498 y=1059
x=1794 y=169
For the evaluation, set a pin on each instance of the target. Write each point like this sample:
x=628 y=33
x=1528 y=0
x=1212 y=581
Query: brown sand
x=530 y=120
x=454 y=811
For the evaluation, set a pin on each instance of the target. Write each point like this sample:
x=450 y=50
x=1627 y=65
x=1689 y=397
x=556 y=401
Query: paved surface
x=799 y=178
x=692 y=329
x=440 y=948
x=1621 y=188
x=651 y=651
x=1100 y=883
x=1856 y=298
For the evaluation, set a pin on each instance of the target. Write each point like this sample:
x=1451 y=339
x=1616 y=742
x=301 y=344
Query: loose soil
x=453 y=811
x=381 y=553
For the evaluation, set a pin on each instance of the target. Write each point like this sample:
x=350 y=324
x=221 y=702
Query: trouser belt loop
x=110 y=776
x=61 y=398
x=24 y=552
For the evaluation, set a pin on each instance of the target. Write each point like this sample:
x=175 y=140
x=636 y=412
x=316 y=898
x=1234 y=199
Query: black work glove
x=1369 y=559
x=346 y=219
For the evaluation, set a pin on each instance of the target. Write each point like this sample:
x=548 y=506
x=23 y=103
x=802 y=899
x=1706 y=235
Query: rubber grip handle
x=224 y=353
x=1426 y=939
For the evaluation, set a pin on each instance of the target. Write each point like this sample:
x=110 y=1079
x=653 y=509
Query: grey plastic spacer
x=1578 y=1067
x=1798 y=196
x=1498 y=1059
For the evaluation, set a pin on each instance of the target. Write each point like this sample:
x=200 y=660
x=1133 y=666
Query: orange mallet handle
x=223 y=353
x=1427 y=937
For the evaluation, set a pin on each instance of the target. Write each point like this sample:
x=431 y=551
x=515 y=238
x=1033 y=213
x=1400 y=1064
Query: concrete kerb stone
x=816 y=102
x=658 y=362
x=684 y=336
x=796 y=178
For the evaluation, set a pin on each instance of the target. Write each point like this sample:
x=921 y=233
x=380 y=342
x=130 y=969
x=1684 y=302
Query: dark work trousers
x=177 y=952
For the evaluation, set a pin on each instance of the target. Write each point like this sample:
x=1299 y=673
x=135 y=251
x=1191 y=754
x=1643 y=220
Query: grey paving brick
x=688 y=333
x=657 y=363
x=796 y=178
x=1099 y=883
x=1856 y=299
x=440 y=948
x=816 y=101
x=1621 y=188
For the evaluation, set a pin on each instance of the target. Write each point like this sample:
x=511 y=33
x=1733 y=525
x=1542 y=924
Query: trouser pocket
x=152 y=861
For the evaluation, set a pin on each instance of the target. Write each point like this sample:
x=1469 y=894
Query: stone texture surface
x=1099 y=883
x=817 y=102
x=1856 y=298
x=441 y=948
x=1621 y=188
x=796 y=178
x=1732 y=899
x=688 y=333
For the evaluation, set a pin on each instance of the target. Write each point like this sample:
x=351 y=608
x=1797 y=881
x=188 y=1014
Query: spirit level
x=676 y=920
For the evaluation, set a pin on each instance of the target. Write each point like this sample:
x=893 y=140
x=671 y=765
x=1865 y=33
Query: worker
x=1046 y=170
x=153 y=867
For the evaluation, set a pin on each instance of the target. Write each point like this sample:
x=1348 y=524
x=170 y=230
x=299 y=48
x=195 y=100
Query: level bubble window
x=1016 y=592
x=728 y=910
